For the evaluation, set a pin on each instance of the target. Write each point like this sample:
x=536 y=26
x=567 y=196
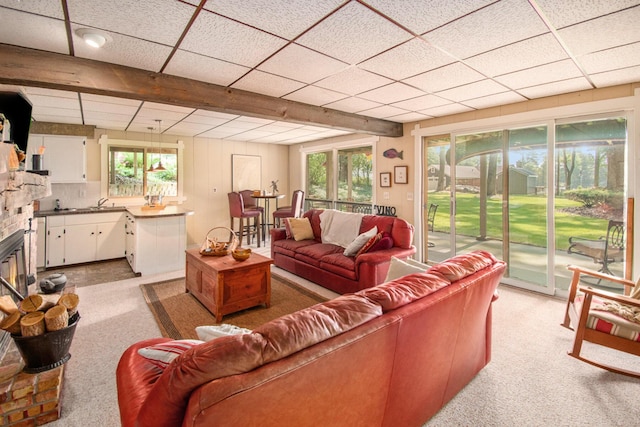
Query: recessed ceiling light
x=92 y=37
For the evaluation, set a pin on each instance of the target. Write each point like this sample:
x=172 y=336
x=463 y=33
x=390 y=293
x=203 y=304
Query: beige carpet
x=178 y=313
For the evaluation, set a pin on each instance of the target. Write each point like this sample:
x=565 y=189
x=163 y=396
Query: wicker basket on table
x=214 y=247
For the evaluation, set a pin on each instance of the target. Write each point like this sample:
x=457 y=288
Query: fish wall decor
x=392 y=153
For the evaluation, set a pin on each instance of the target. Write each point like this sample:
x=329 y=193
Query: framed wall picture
x=246 y=172
x=401 y=175
x=385 y=179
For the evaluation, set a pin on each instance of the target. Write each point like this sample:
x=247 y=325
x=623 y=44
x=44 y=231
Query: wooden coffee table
x=224 y=285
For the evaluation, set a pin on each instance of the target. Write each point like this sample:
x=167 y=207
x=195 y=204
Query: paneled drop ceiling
x=398 y=60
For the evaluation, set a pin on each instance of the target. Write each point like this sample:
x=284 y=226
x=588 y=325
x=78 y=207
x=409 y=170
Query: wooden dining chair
x=603 y=318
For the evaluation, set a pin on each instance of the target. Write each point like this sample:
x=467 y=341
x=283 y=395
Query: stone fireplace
x=18 y=245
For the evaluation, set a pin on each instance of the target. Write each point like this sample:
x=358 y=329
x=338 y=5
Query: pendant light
x=151 y=169
x=160 y=167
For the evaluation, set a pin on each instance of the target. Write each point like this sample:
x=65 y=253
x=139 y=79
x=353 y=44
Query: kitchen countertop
x=170 y=210
x=77 y=211
x=136 y=211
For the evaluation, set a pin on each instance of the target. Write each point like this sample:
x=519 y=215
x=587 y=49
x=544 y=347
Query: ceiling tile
x=421 y=16
x=446 y=110
x=123 y=50
x=52 y=9
x=563 y=13
x=203 y=68
x=445 y=77
x=411 y=58
x=353 y=34
x=421 y=103
x=37 y=32
x=353 y=105
x=556 y=88
x=561 y=70
x=383 y=112
x=107 y=120
x=394 y=92
x=200 y=120
x=106 y=107
x=188 y=128
x=617 y=77
x=353 y=81
x=613 y=30
x=58 y=117
x=250 y=135
x=503 y=98
x=221 y=38
x=302 y=64
x=39 y=113
x=31 y=91
x=315 y=95
x=408 y=117
x=519 y=56
x=267 y=84
x=159 y=21
x=284 y=18
x=211 y=114
x=612 y=59
x=45 y=101
x=473 y=90
x=499 y=24
x=219 y=133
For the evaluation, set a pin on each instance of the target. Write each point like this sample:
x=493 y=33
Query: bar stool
x=293 y=211
x=236 y=210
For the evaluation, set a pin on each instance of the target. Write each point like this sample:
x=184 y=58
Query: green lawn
x=528 y=220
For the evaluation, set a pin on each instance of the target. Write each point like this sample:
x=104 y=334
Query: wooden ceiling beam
x=30 y=67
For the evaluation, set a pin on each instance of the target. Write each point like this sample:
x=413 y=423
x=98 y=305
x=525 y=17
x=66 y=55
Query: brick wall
x=28 y=400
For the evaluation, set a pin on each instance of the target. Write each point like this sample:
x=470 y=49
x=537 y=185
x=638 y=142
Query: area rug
x=178 y=313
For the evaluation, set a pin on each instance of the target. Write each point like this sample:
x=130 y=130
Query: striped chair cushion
x=605 y=321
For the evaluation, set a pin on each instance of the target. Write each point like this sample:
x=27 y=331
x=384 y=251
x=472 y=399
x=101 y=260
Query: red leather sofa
x=390 y=355
x=325 y=264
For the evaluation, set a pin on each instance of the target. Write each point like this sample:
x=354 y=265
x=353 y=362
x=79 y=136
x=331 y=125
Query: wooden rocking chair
x=608 y=328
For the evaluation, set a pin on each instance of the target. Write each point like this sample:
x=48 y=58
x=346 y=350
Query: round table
x=267 y=199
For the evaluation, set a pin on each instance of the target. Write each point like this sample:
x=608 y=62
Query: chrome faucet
x=102 y=201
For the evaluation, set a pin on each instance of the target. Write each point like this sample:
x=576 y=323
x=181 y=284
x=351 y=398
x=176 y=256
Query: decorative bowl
x=241 y=254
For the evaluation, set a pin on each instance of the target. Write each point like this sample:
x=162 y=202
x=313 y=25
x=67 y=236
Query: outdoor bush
x=591 y=197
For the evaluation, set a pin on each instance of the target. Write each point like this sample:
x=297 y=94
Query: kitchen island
x=156 y=239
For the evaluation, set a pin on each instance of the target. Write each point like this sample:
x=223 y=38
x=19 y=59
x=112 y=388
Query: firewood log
x=11 y=323
x=32 y=324
x=70 y=301
x=56 y=318
x=7 y=304
x=38 y=302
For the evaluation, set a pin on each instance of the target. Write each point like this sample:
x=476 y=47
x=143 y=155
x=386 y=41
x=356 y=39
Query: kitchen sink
x=107 y=208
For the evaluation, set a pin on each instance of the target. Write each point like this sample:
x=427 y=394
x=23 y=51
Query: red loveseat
x=325 y=264
x=391 y=355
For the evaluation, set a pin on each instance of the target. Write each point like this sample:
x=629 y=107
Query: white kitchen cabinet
x=156 y=244
x=84 y=238
x=80 y=243
x=64 y=157
x=55 y=244
x=41 y=243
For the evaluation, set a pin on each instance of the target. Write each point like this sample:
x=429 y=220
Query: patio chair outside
x=605 y=250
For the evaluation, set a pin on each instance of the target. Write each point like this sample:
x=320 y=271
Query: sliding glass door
x=526 y=193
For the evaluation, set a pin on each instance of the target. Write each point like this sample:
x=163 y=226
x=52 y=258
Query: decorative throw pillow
x=367 y=246
x=287 y=228
x=399 y=268
x=359 y=242
x=386 y=242
x=163 y=353
x=300 y=228
x=208 y=333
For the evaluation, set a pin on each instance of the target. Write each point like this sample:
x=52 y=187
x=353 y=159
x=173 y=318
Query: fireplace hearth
x=13 y=274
